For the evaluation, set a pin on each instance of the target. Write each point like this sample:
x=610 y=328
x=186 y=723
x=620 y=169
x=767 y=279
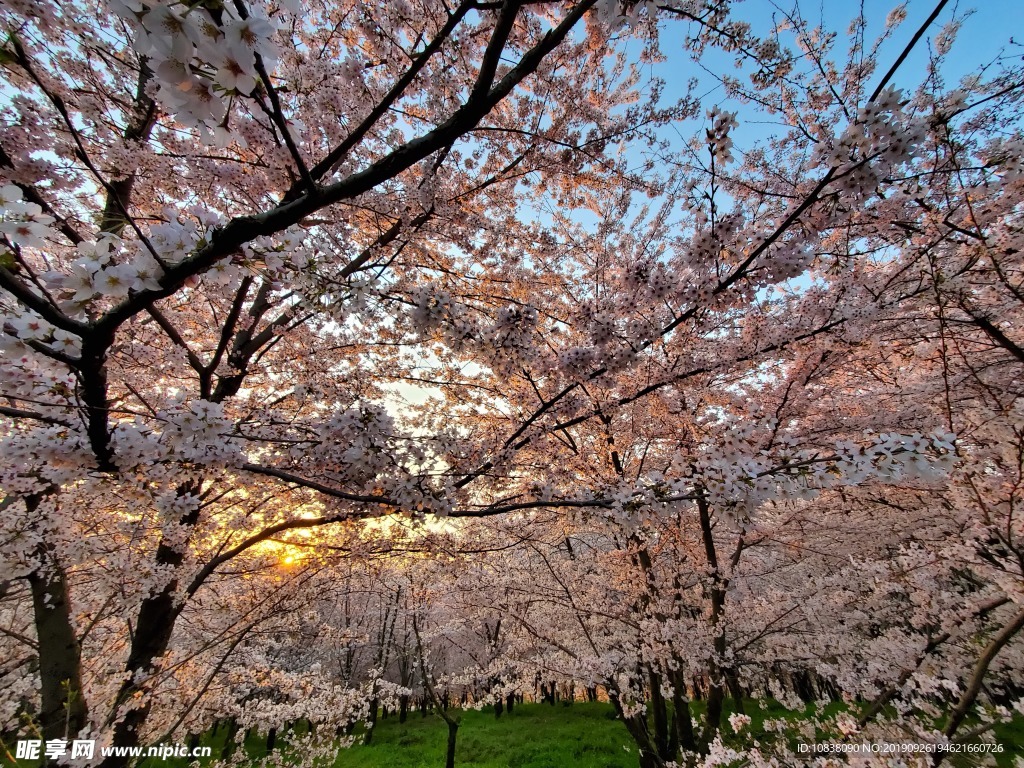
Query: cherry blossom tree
x=234 y=234
x=213 y=288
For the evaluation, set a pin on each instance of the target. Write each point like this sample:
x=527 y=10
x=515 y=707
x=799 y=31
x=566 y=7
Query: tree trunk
x=153 y=629
x=403 y=708
x=974 y=684
x=371 y=721
x=152 y=635
x=659 y=709
x=682 y=720
x=716 y=674
x=650 y=759
x=509 y=701
x=453 y=729
x=229 y=741
x=713 y=720
x=736 y=692
x=804 y=686
x=641 y=735
x=64 y=712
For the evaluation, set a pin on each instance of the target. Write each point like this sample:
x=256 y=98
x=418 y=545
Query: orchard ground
x=534 y=736
x=545 y=736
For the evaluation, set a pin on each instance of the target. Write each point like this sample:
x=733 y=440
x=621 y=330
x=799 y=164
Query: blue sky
x=986 y=31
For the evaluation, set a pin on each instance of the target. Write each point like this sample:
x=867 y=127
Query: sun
x=291 y=557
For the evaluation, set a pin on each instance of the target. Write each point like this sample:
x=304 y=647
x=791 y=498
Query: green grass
x=545 y=736
x=533 y=736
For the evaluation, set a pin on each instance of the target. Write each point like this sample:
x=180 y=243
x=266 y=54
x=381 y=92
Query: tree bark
x=153 y=630
x=371 y=721
x=713 y=719
x=453 y=730
x=638 y=730
x=736 y=692
x=659 y=711
x=970 y=695
x=682 y=720
x=154 y=627
x=64 y=711
x=229 y=741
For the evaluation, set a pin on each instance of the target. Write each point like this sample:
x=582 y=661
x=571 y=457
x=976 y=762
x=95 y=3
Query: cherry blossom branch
x=186 y=710
x=277 y=114
x=907 y=50
x=734 y=276
x=14 y=286
x=174 y=336
x=688 y=374
x=82 y=153
x=723 y=285
x=334 y=158
x=386 y=501
x=967 y=699
x=227 y=329
x=34 y=196
x=878 y=704
x=20 y=413
x=98 y=336
x=492 y=54
x=994 y=332
x=243 y=229
x=138 y=130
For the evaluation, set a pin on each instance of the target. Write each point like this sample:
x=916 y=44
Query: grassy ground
x=533 y=736
x=538 y=736
x=586 y=735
